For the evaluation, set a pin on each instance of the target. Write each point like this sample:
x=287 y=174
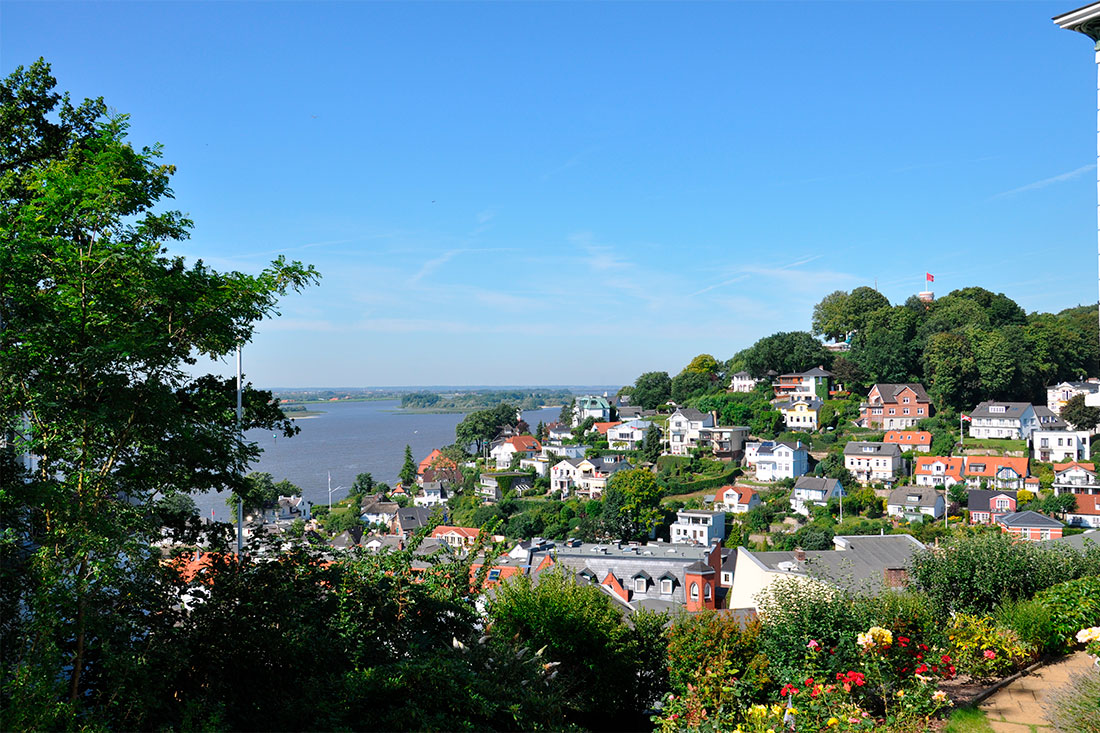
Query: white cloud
x=1046 y=182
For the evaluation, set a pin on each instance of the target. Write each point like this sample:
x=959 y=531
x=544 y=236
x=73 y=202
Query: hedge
x=713 y=482
x=1074 y=605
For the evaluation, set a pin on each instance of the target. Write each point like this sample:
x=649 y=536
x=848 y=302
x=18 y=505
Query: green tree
x=830 y=317
x=652 y=444
x=631 y=503
x=364 y=485
x=480 y=427
x=704 y=364
x=565 y=417
x=786 y=353
x=689 y=384
x=99 y=327
x=1080 y=415
x=652 y=389
x=408 y=469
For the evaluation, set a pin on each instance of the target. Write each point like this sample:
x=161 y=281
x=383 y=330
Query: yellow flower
x=832 y=722
x=901 y=693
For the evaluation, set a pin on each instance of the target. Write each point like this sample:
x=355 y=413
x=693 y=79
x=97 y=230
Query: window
x=639 y=585
x=905 y=411
x=1002 y=503
x=694 y=591
x=494 y=574
x=920 y=410
x=893 y=411
x=666 y=585
x=905 y=400
x=706 y=591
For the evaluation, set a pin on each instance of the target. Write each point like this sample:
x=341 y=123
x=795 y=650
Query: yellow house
x=801 y=413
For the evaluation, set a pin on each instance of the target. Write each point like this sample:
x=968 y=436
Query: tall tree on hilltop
x=1080 y=415
x=408 y=469
x=99 y=327
x=651 y=389
x=786 y=353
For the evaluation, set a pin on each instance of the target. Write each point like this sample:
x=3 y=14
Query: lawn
x=968 y=720
x=995 y=443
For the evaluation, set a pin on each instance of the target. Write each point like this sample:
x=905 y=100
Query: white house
x=557 y=433
x=1014 y=420
x=1059 y=446
x=813 y=490
x=736 y=499
x=683 y=429
x=563 y=475
x=870 y=462
x=1087 y=513
x=1075 y=478
x=911 y=502
x=585 y=476
x=776 y=461
x=524 y=445
x=591 y=406
x=1059 y=394
x=628 y=435
x=432 y=493
x=743 y=382
x=698 y=527
x=801 y=413
x=939 y=470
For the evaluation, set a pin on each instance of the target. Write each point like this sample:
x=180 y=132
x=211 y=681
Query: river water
x=350 y=438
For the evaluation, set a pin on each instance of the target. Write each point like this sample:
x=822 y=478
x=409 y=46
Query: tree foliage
x=651 y=389
x=480 y=427
x=785 y=353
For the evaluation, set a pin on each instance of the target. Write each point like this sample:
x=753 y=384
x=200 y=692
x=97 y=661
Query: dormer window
x=666 y=586
x=494 y=574
x=999 y=409
x=639 y=585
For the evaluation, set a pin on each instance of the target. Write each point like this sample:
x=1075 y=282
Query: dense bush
x=710 y=640
x=1073 y=605
x=977 y=572
x=984 y=650
x=1032 y=621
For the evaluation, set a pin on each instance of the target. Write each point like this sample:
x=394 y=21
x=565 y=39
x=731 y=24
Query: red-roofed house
x=1087 y=513
x=915 y=440
x=603 y=427
x=1075 y=478
x=735 y=499
x=999 y=472
x=939 y=470
x=525 y=445
x=438 y=467
x=458 y=537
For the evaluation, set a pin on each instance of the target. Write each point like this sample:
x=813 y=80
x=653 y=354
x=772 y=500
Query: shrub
x=1072 y=708
x=984 y=650
x=717 y=644
x=1032 y=621
x=1073 y=605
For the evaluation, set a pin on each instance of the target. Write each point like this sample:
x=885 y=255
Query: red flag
x=965 y=417
x=929 y=278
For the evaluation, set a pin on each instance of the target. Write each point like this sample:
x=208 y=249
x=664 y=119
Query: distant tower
x=926 y=296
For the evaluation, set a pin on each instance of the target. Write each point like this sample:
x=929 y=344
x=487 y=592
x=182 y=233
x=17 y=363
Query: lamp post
x=330 y=490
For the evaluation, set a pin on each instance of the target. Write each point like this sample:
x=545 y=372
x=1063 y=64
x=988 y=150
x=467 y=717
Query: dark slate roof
x=1079 y=542
x=856 y=448
x=817 y=483
x=743 y=374
x=692 y=414
x=1028 y=518
x=816 y=372
x=1013 y=410
x=1048 y=419
x=926 y=496
x=889 y=390
x=768 y=447
x=977 y=500
x=413 y=517
x=699 y=567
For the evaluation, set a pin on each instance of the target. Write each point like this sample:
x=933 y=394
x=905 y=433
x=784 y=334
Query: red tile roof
x=468 y=532
x=735 y=494
x=953 y=466
x=603 y=427
x=1059 y=467
x=435 y=459
x=991 y=464
x=908 y=437
x=1088 y=504
x=524 y=443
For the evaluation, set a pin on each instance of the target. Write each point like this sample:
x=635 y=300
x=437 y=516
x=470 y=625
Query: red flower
x=923 y=647
x=920 y=656
x=945 y=659
x=788 y=689
x=921 y=669
x=810 y=682
x=903 y=641
x=951 y=670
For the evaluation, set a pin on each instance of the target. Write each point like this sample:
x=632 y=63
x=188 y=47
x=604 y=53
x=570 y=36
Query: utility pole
x=240 y=416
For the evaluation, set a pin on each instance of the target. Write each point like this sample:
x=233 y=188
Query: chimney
x=799 y=554
x=896 y=577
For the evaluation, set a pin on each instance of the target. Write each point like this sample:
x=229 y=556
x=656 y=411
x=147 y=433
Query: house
x=999 y=472
x=438 y=467
x=775 y=461
x=1075 y=478
x=585 y=476
x=540 y=464
x=628 y=435
x=683 y=429
x=915 y=502
x=1059 y=446
x=558 y=433
x=743 y=382
x=727 y=444
x=736 y=499
x=873 y=462
x=493 y=486
x=698 y=527
x=919 y=441
x=1048 y=419
x=729 y=567
x=563 y=475
x=1087 y=513
x=633 y=412
x=801 y=413
x=865 y=564
x=1030 y=526
x=432 y=493
x=1012 y=420
x=658 y=576
x=986 y=506
x=591 y=406
x=814 y=491
x=1059 y=394
x=815 y=382
x=410 y=519
x=459 y=538
x=287 y=509
x=373 y=510
x=895 y=406
x=939 y=470
x=526 y=446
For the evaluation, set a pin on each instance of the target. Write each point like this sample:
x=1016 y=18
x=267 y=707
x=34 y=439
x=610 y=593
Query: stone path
x=1018 y=707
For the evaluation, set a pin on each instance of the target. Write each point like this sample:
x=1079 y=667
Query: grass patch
x=995 y=444
x=968 y=720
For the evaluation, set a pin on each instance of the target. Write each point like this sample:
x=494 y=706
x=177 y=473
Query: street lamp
x=330 y=490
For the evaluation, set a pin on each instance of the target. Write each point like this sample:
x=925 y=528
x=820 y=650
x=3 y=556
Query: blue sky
x=576 y=193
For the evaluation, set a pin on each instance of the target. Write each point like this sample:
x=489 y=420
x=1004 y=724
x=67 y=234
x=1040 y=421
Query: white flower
x=1086 y=635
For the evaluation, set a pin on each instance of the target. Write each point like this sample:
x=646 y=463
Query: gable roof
x=1012 y=411
x=817 y=483
x=979 y=499
x=1087 y=466
x=866 y=448
x=603 y=427
x=914 y=496
x=524 y=443
x=690 y=413
x=1028 y=518
x=908 y=437
x=990 y=465
x=445 y=529
x=889 y=391
x=1048 y=419
x=953 y=466
x=1088 y=504
x=734 y=494
x=413 y=517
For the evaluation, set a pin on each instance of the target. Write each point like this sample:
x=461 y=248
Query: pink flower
x=989 y=654
x=813 y=645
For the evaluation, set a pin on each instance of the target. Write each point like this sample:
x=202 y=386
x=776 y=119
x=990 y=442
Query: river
x=347 y=439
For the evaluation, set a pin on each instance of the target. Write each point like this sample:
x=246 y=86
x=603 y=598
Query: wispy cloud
x=435 y=263
x=744 y=273
x=1034 y=186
